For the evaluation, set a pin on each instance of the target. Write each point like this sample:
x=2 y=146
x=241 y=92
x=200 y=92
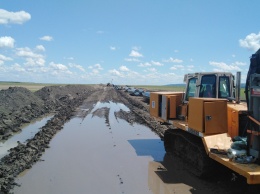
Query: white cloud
x=58 y=66
x=40 y=48
x=112 y=48
x=13 y=17
x=251 y=42
x=6 y=41
x=77 y=66
x=46 y=38
x=145 y=64
x=152 y=69
x=95 y=71
x=17 y=67
x=115 y=73
x=27 y=52
x=35 y=62
x=224 y=67
x=172 y=60
x=132 y=60
x=58 y=69
x=98 y=66
x=156 y=63
x=4 y=58
x=135 y=54
x=178 y=67
x=32 y=58
x=123 y=68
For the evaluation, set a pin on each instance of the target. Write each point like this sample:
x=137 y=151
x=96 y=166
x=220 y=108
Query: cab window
x=191 y=88
x=224 y=84
x=208 y=86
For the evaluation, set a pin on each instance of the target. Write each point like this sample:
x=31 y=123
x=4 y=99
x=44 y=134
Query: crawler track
x=190 y=148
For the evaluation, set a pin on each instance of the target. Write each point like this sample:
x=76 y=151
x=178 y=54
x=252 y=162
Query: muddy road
x=97 y=140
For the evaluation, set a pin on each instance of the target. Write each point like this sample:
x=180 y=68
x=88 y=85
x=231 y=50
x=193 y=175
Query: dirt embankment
x=19 y=106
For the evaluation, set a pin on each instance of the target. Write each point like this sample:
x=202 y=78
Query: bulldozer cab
x=209 y=85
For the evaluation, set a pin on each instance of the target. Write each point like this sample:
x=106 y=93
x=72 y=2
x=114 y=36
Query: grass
x=36 y=86
x=30 y=86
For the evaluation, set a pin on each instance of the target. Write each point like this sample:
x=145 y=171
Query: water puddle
x=98 y=154
x=27 y=132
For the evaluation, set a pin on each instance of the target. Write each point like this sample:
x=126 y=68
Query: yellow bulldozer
x=208 y=121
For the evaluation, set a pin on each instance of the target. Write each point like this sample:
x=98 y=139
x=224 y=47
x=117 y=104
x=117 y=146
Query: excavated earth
x=19 y=106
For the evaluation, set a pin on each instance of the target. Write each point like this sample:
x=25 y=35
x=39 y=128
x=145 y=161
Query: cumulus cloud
x=98 y=66
x=156 y=63
x=177 y=67
x=58 y=66
x=251 y=42
x=224 y=67
x=123 y=68
x=77 y=67
x=27 y=52
x=4 y=58
x=172 y=60
x=46 y=38
x=145 y=64
x=40 y=48
x=13 y=17
x=115 y=73
x=17 y=67
x=6 y=41
x=112 y=48
x=152 y=69
x=135 y=53
x=34 y=62
x=132 y=60
x=32 y=58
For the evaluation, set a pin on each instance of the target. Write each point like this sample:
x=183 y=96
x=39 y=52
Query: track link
x=190 y=149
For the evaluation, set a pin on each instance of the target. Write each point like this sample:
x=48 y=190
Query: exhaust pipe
x=238 y=84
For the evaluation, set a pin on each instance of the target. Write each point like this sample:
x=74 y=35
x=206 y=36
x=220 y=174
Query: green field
x=30 y=86
x=36 y=86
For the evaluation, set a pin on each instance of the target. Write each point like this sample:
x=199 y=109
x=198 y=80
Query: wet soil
x=19 y=106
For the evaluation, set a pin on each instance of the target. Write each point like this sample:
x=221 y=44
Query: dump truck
x=209 y=123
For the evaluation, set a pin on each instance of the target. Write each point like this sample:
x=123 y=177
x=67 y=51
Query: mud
x=19 y=106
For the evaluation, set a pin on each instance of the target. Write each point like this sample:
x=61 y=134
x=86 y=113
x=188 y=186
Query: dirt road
x=67 y=103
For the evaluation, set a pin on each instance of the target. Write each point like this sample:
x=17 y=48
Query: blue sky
x=150 y=42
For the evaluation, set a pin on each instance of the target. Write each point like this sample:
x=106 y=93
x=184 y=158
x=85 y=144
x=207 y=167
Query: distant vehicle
x=146 y=96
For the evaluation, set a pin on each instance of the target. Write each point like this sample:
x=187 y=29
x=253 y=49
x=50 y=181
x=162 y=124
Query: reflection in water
x=149 y=147
x=26 y=133
x=94 y=155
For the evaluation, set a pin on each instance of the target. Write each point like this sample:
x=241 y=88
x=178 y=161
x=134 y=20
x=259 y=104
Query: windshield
x=208 y=86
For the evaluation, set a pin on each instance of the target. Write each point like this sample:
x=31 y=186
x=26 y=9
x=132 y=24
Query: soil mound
x=17 y=105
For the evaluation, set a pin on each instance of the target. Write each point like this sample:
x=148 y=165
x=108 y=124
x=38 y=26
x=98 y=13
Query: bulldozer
x=208 y=122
